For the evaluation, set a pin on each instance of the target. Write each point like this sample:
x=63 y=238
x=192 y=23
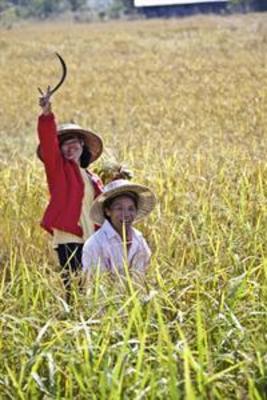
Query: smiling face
x=122 y=210
x=72 y=149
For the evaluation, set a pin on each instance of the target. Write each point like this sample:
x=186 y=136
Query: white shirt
x=105 y=250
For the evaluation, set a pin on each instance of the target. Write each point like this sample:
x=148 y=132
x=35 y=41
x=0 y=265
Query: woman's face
x=122 y=211
x=72 y=149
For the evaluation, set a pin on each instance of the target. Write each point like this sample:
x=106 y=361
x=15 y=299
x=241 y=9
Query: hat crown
x=146 y=199
x=116 y=184
x=91 y=140
x=69 y=127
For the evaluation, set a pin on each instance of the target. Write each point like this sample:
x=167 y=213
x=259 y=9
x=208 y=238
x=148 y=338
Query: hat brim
x=146 y=202
x=92 y=141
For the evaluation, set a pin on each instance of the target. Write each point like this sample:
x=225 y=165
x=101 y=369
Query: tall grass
x=183 y=102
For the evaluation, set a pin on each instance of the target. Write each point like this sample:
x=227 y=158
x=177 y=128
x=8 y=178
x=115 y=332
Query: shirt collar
x=109 y=230
x=112 y=234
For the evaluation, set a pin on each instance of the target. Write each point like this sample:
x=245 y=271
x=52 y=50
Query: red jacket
x=65 y=182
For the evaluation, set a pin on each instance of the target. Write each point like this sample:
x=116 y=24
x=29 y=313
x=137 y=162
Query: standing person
x=66 y=152
x=117 y=244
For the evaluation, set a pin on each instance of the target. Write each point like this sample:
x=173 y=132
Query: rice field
x=182 y=102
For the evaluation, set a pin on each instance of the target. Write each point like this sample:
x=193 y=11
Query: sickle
x=63 y=77
x=64 y=73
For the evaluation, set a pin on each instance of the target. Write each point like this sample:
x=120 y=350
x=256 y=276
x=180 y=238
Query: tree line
x=40 y=8
x=254 y=5
x=113 y=8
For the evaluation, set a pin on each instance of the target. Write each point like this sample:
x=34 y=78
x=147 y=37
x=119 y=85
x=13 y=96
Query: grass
x=183 y=103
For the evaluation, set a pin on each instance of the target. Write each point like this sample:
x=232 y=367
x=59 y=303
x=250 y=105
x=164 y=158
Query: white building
x=153 y=3
x=172 y=8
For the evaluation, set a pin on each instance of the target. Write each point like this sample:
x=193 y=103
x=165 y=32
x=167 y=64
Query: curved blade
x=63 y=77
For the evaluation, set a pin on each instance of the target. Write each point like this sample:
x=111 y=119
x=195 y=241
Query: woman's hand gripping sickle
x=44 y=101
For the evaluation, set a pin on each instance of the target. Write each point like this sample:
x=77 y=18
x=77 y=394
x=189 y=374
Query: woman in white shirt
x=117 y=245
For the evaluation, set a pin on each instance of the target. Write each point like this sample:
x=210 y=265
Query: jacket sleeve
x=97 y=183
x=98 y=189
x=49 y=145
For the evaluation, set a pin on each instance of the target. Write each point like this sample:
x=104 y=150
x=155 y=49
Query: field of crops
x=184 y=104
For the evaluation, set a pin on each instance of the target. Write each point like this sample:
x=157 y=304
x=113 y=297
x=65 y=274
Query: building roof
x=152 y=3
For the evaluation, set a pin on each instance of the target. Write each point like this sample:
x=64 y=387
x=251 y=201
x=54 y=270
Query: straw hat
x=146 y=199
x=92 y=141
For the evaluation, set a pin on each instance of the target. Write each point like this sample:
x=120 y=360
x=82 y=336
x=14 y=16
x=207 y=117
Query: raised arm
x=47 y=133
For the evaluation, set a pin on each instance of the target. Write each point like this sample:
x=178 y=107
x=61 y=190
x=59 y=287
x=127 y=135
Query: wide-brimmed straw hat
x=146 y=199
x=92 y=141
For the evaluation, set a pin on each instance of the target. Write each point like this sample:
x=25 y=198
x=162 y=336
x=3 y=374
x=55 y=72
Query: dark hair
x=85 y=157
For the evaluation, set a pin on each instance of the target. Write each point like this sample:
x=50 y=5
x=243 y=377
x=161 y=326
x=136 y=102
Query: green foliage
x=126 y=5
x=118 y=8
x=41 y=8
x=76 y=5
x=3 y=5
x=46 y=8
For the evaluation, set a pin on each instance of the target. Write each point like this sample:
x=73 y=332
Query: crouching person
x=117 y=245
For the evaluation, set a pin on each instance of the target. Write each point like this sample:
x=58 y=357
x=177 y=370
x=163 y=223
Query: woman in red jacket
x=66 y=152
